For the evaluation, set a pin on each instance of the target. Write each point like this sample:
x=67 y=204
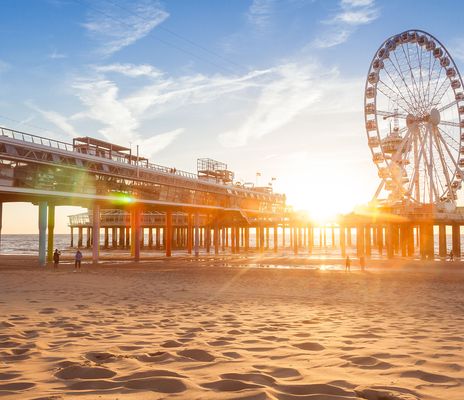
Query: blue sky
x=264 y=85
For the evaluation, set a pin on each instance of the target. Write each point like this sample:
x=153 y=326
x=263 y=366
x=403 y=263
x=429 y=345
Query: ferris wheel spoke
x=395 y=99
x=413 y=78
x=442 y=158
x=449 y=123
x=448 y=151
x=401 y=76
x=421 y=76
x=441 y=91
x=445 y=107
x=431 y=71
x=388 y=114
x=450 y=138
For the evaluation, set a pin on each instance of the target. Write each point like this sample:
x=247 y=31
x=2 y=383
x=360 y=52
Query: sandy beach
x=217 y=329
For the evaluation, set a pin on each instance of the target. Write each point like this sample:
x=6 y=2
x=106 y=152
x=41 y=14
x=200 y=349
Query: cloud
x=56 y=119
x=349 y=15
x=159 y=142
x=117 y=26
x=259 y=13
x=55 y=55
x=131 y=70
x=289 y=91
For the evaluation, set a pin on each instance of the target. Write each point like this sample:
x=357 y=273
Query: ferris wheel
x=414 y=116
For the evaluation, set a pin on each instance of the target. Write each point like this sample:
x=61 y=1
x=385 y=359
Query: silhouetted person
x=362 y=262
x=77 y=260
x=347 y=264
x=451 y=255
x=56 y=259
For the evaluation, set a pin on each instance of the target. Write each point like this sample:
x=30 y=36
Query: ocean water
x=29 y=244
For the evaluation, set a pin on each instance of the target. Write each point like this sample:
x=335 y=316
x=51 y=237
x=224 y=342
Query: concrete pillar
x=223 y=238
x=348 y=236
x=1 y=223
x=283 y=236
x=404 y=239
x=342 y=241
x=310 y=239
x=442 y=241
x=88 y=238
x=150 y=237
x=247 y=238
x=321 y=240
x=380 y=239
x=114 y=238
x=295 y=240
x=106 y=240
x=325 y=236
x=136 y=235
x=389 y=241
x=168 y=228
x=456 y=237
x=42 y=233
x=96 y=233
x=216 y=238
x=128 y=236
x=72 y=237
x=237 y=239
x=276 y=238
x=410 y=236
x=158 y=238
x=360 y=240
x=368 y=241
x=79 y=236
x=51 y=228
x=121 y=236
x=196 y=236
x=189 y=234
x=333 y=236
x=261 y=239
x=267 y=238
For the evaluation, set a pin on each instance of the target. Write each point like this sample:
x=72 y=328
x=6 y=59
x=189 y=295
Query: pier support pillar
x=261 y=239
x=168 y=228
x=79 y=236
x=106 y=241
x=360 y=241
x=237 y=239
x=136 y=232
x=380 y=239
x=96 y=233
x=348 y=236
x=128 y=237
x=197 y=234
x=247 y=238
x=276 y=238
x=442 y=240
x=72 y=237
x=42 y=233
x=158 y=238
x=150 y=237
x=216 y=238
x=410 y=237
x=456 y=235
x=283 y=236
x=404 y=239
x=1 y=223
x=189 y=234
x=51 y=228
x=87 y=245
x=342 y=241
x=368 y=240
x=389 y=241
x=295 y=240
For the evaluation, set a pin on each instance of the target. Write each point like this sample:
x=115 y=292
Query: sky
x=268 y=86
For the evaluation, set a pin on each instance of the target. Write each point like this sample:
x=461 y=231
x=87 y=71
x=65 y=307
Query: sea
x=28 y=244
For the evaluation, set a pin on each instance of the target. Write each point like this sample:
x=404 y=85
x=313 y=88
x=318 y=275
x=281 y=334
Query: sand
x=202 y=330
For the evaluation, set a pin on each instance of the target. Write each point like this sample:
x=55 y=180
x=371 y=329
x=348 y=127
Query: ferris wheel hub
x=434 y=117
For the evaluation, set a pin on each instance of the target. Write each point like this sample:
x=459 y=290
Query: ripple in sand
x=230 y=385
x=16 y=386
x=77 y=371
x=162 y=385
x=258 y=378
x=324 y=390
x=171 y=343
x=279 y=372
x=309 y=346
x=385 y=393
x=427 y=376
x=100 y=356
x=197 y=355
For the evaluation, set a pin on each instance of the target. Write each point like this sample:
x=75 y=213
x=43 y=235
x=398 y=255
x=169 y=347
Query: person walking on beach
x=56 y=259
x=362 y=262
x=451 y=255
x=77 y=260
x=347 y=264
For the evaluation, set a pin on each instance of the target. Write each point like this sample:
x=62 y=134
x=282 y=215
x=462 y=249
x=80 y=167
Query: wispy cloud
x=259 y=13
x=349 y=15
x=155 y=144
x=130 y=70
x=4 y=66
x=119 y=25
x=55 y=55
x=55 y=118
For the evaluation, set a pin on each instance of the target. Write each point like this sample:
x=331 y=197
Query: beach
x=231 y=328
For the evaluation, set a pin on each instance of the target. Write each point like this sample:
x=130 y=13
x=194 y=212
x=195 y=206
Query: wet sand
x=217 y=329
